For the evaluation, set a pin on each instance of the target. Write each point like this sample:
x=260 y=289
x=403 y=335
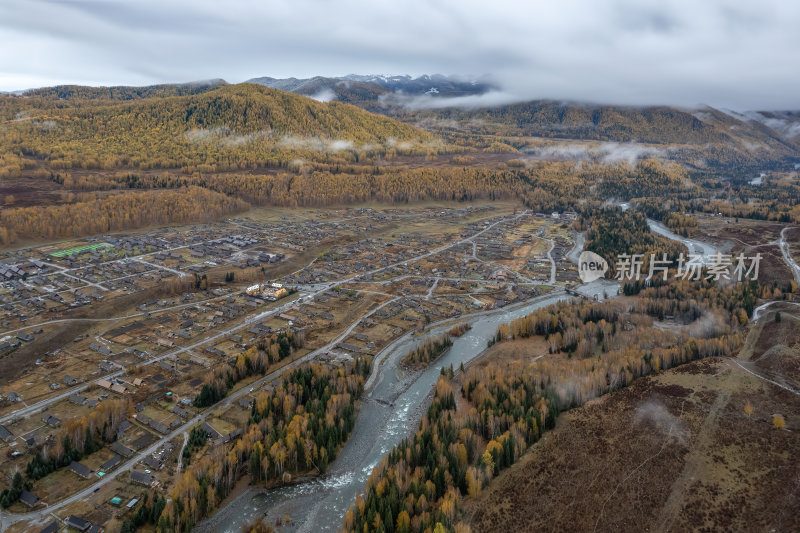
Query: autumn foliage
x=117 y=212
x=295 y=428
x=429 y=350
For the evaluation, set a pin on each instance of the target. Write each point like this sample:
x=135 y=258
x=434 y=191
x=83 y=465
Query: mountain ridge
x=695 y=136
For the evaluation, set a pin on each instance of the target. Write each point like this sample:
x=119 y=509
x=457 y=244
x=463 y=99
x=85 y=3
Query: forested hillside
x=654 y=124
x=122 y=92
x=704 y=138
x=234 y=126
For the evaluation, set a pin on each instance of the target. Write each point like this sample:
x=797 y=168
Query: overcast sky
x=742 y=54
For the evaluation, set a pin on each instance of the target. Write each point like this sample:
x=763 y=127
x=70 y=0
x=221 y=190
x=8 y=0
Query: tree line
x=296 y=428
x=429 y=350
x=255 y=360
x=117 y=212
x=77 y=438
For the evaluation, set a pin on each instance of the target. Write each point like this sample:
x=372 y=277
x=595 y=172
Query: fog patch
x=325 y=95
x=291 y=142
x=317 y=144
x=654 y=415
x=702 y=116
x=225 y=137
x=432 y=122
x=786 y=124
x=755 y=146
x=629 y=152
x=296 y=164
x=391 y=142
x=605 y=152
x=201 y=135
x=340 y=145
x=431 y=101
x=46 y=125
x=574 y=152
x=707 y=326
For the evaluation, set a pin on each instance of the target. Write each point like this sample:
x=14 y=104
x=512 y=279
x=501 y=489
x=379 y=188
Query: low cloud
x=325 y=95
x=710 y=324
x=428 y=101
x=788 y=126
x=318 y=144
x=391 y=142
x=604 y=152
x=335 y=146
x=225 y=137
x=628 y=152
x=655 y=416
x=785 y=123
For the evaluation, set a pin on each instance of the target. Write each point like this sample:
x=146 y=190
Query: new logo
x=591 y=266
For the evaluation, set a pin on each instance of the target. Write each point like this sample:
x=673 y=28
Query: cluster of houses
x=23 y=269
x=268 y=291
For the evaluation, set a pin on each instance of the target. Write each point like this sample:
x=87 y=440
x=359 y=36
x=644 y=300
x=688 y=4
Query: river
x=698 y=248
x=390 y=411
x=702 y=249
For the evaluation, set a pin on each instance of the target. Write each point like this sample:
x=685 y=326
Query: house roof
x=78 y=399
x=213 y=433
x=159 y=426
x=142 y=478
x=111 y=463
x=81 y=470
x=52 y=527
x=121 y=449
x=78 y=523
x=28 y=498
x=152 y=462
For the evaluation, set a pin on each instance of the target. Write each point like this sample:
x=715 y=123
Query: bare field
x=524 y=350
x=718 y=469
x=750 y=237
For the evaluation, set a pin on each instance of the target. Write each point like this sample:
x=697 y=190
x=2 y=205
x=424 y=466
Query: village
x=143 y=319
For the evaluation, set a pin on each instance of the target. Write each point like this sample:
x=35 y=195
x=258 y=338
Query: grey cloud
x=426 y=101
x=734 y=53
